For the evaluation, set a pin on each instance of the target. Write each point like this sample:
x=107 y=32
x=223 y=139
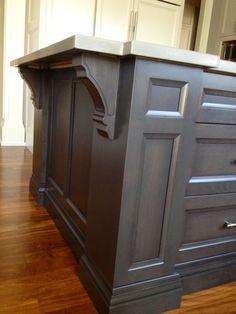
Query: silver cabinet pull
x=228 y=224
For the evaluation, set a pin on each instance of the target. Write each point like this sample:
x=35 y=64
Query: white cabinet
x=229 y=18
x=187 y=27
x=144 y=20
x=158 y=22
x=113 y=19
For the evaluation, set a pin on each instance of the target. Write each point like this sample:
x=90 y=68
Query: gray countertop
x=66 y=49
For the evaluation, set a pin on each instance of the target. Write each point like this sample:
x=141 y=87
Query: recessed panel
x=60 y=131
x=166 y=97
x=151 y=198
x=82 y=136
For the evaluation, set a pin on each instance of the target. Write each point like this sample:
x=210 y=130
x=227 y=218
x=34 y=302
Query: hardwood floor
x=38 y=273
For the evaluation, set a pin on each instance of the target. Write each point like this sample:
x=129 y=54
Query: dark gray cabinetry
x=136 y=161
x=207 y=254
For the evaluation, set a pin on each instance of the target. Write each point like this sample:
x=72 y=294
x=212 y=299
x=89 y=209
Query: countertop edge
x=226 y=67
x=171 y=54
x=78 y=43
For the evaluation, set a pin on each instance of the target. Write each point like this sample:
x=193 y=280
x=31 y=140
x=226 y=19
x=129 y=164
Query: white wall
x=14 y=31
x=32 y=19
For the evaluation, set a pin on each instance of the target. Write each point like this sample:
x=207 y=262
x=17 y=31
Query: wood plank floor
x=38 y=273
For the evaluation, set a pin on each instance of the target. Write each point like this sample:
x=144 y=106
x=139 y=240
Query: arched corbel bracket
x=100 y=74
x=34 y=79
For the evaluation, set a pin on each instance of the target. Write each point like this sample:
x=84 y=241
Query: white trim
x=45 y=18
x=12 y=132
x=3 y=144
x=204 y=25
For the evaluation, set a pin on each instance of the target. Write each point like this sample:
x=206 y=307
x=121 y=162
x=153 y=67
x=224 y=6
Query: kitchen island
x=135 y=159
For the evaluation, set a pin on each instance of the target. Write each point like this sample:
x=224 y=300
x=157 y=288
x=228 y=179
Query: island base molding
x=162 y=294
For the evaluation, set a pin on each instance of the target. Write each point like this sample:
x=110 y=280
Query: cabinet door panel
x=112 y=19
x=229 y=20
x=159 y=22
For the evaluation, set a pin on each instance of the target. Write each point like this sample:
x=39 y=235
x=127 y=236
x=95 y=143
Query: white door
x=158 y=22
x=113 y=19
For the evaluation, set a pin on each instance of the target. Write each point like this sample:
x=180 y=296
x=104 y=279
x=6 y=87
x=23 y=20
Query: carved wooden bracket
x=101 y=77
x=34 y=80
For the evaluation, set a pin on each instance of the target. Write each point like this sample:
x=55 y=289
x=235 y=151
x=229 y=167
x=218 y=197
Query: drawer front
x=214 y=162
x=206 y=232
x=209 y=223
x=218 y=100
x=215 y=158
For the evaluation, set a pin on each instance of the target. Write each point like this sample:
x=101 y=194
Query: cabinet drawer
x=205 y=232
x=218 y=103
x=214 y=163
x=215 y=158
x=209 y=223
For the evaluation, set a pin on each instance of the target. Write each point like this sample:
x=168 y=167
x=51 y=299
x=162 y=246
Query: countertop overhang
x=66 y=49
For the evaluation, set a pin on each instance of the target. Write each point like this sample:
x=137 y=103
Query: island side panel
x=70 y=147
x=38 y=81
x=158 y=163
x=106 y=181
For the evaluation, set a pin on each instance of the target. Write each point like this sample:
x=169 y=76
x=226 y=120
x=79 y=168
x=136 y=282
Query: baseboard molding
x=12 y=136
x=207 y=273
x=29 y=142
x=151 y=296
x=5 y=143
x=70 y=235
x=37 y=190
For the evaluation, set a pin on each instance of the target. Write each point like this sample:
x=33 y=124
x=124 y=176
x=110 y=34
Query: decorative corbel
x=33 y=78
x=100 y=75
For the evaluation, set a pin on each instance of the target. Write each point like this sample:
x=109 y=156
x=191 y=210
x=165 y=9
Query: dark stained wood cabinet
x=135 y=158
